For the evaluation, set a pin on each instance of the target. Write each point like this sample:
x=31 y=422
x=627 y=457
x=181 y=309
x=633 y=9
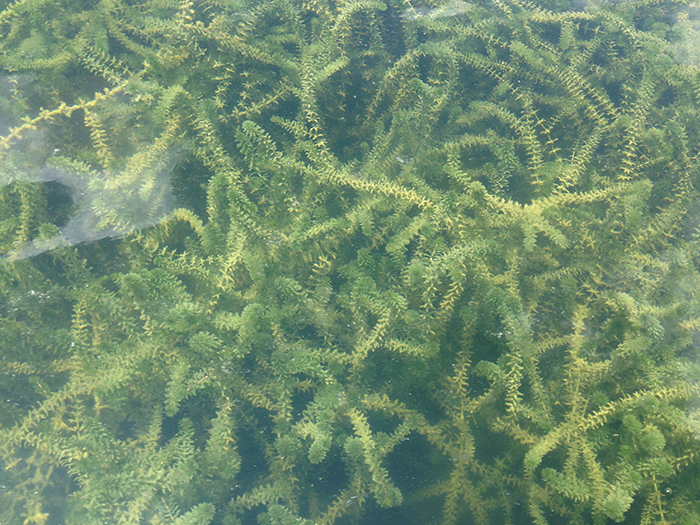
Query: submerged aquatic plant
x=436 y=268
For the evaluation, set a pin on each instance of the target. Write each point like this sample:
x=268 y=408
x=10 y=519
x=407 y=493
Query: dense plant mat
x=295 y=262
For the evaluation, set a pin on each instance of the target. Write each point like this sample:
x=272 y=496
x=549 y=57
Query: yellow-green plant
x=349 y=262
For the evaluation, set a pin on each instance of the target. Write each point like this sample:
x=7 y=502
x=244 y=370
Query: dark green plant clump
x=349 y=262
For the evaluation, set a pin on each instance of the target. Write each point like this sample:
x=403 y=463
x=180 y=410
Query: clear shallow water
x=349 y=263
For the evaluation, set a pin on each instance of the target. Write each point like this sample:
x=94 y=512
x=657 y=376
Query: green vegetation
x=423 y=263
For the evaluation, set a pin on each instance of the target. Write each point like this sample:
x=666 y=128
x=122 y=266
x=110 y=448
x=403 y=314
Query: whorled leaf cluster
x=410 y=263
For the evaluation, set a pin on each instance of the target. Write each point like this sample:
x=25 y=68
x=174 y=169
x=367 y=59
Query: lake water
x=355 y=262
